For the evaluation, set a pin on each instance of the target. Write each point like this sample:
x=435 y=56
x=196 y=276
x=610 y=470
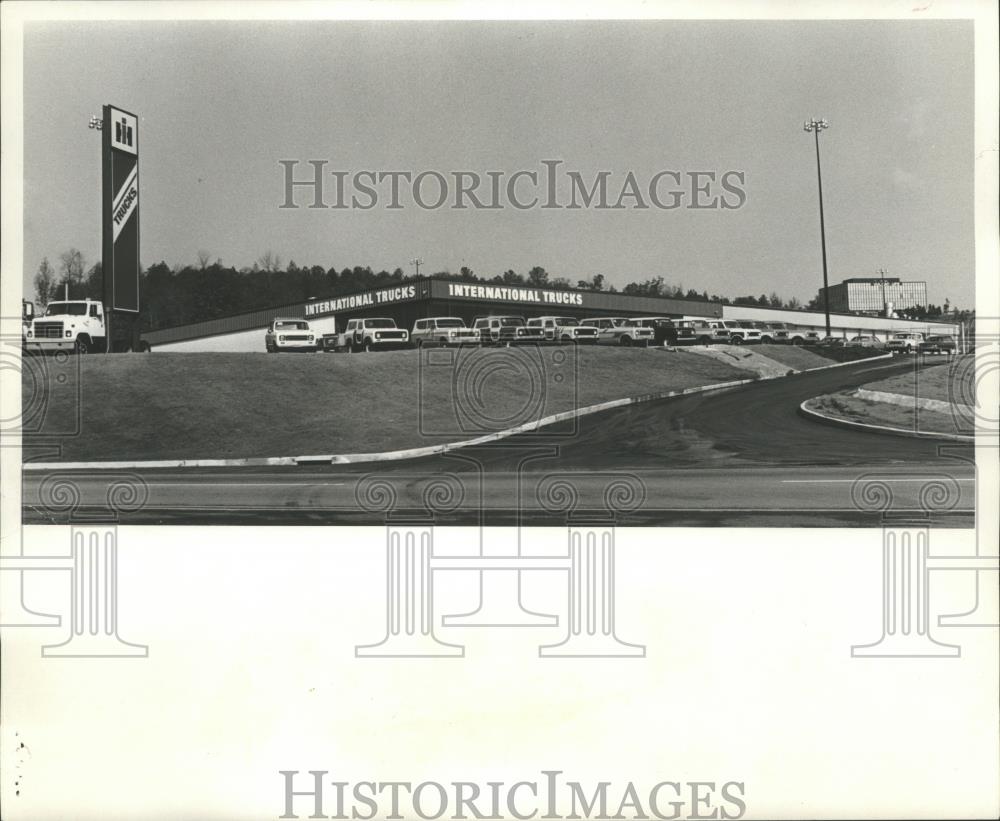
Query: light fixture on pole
x=416 y=263
x=815 y=126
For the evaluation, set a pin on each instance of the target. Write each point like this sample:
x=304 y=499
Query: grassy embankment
x=934 y=379
x=196 y=406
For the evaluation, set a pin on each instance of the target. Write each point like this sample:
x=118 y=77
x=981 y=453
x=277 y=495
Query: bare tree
x=203 y=259
x=45 y=283
x=269 y=261
x=71 y=264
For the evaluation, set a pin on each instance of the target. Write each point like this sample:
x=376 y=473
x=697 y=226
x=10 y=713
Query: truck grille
x=296 y=337
x=48 y=330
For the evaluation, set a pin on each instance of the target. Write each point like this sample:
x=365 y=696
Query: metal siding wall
x=223 y=325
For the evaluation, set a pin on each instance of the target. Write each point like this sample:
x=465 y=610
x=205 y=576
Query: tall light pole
x=416 y=263
x=815 y=126
x=885 y=303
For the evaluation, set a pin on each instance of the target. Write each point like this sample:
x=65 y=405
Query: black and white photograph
x=641 y=360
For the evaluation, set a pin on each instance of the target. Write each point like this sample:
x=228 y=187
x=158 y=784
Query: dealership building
x=415 y=299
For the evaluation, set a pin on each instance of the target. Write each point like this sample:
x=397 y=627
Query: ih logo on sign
x=124 y=132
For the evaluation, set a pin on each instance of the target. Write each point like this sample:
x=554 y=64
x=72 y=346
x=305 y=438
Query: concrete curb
x=851 y=362
x=408 y=453
x=826 y=419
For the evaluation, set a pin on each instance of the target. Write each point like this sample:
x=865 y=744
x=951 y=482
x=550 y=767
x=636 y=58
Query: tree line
x=182 y=294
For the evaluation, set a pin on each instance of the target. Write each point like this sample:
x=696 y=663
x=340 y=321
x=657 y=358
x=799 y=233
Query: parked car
x=443 y=330
x=741 y=331
x=506 y=330
x=563 y=329
x=938 y=344
x=904 y=342
x=369 y=334
x=668 y=331
x=618 y=330
x=289 y=335
x=864 y=341
x=832 y=342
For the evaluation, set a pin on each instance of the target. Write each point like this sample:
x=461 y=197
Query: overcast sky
x=220 y=103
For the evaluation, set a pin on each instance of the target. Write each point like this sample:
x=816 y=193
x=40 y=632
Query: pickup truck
x=563 y=329
x=289 y=335
x=443 y=330
x=374 y=334
x=506 y=330
x=668 y=331
x=619 y=330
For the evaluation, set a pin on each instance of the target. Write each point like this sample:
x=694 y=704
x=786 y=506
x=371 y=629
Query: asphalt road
x=742 y=457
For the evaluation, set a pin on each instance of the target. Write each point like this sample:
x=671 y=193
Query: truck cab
x=27 y=314
x=75 y=325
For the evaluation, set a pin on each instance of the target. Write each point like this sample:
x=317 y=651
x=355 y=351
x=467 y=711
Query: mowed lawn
x=936 y=378
x=931 y=378
x=220 y=405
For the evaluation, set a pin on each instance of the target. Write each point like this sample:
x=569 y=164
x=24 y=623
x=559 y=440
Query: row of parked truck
x=380 y=333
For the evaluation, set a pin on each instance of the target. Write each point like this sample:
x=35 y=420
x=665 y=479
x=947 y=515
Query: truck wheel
x=735 y=340
x=82 y=344
x=625 y=341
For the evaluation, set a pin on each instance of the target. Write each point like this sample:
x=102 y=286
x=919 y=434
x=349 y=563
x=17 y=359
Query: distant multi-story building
x=871 y=295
